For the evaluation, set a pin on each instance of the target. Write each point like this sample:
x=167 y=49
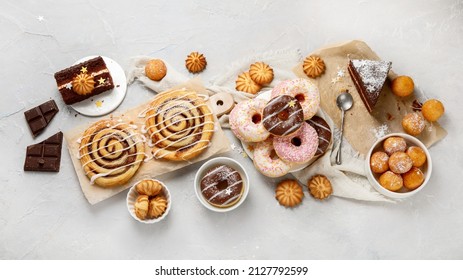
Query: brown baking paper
x=152 y=168
x=362 y=129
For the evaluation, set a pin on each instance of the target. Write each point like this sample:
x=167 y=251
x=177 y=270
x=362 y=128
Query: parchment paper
x=152 y=168
x=361 y=128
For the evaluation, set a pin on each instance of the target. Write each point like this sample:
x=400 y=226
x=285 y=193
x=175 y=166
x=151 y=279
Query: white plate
x=107 y=101
x=267 y=95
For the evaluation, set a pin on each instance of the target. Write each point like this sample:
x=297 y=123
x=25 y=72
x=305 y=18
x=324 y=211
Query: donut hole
x=222 y=185
x=283 y=115
x=256 y=118
x=300 y=97
x=273 y=155
x=296 y=141
x=219 y=103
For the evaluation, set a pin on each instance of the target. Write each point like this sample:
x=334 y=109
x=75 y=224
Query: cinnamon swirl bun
x=179 y=125
x=111 y=152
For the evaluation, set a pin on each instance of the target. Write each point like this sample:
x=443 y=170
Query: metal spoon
x=344 y=102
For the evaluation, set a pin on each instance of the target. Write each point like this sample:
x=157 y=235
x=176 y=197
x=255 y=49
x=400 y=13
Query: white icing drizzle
x=218 y=193
x=215 y=183
x=232 y=199
x=185 y=109
x=130 y=135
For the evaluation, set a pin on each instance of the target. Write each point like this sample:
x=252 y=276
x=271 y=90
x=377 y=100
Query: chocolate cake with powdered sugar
x=369 y=77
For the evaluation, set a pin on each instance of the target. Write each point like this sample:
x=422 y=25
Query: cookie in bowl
x=148 y=201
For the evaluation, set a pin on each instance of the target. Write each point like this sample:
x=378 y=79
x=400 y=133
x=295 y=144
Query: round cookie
x=413 y=124
x=417 y=155
x=313 y=66
x=379 y=162
x=324 y=133
x=261 y=73
x=413 y=178
x=245 y=83
x=320 y=187
x=391 y=181
x=155 y=69
x=432 y=110
x=289 y=193
x=195 y=62
x=400 y=162
x=283 y=115
x=394 y=144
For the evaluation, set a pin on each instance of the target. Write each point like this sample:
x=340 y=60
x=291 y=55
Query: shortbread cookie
x=320 y=187
x=246 y=84
x=289 y=193
x=261 y=73
x=313 y=66
x=195 y=62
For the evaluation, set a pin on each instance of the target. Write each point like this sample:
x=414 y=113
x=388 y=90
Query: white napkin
x=348 y=180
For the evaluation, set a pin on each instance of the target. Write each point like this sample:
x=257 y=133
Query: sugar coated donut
x=246 y=121
x=283 y=115
x=267 y=161
x=298 y=148
x=304 y=91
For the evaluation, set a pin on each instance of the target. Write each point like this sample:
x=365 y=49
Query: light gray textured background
x=45 y=216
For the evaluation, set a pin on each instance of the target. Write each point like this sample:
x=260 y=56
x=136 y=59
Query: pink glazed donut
x=267 y=162
x=298 y=148
x=304 y=91
x=246 y=120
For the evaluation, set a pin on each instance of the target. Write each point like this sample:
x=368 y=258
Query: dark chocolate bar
x=46 y=155
x=39 y=117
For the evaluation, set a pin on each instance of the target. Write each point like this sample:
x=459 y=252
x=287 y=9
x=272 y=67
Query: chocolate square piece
x=369 y=77
x=39 y=117
x=46 y=155
x=84 y=80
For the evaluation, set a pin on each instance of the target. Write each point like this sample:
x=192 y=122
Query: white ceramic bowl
x=217 y=162
x=132 y=197
x=373 y=177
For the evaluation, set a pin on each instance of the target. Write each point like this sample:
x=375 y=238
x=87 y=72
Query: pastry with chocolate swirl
x=111 y=152
x=179 y=125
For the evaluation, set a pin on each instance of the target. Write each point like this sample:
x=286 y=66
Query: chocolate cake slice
x=369 y=77
x=46 y=155
x=84 y=80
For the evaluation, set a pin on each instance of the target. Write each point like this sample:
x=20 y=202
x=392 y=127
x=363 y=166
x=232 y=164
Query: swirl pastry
x=179 y=124
x=111 y=152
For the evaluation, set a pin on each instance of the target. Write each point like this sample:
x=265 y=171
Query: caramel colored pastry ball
x=403 y=86
x=261 y=73
x=320 y=187
x=195 y=62
x=413 y=124
x=417 y=155
x=379 y=162
x=313 y=66
x=400 y=162
x=155 y=69
x=394 y=144
x=432 y=110
x=413 y=178
x=391 y=181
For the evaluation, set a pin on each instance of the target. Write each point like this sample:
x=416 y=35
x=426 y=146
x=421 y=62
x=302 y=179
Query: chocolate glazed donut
x=283 y=115
x=222 y=186
x=324 y=133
